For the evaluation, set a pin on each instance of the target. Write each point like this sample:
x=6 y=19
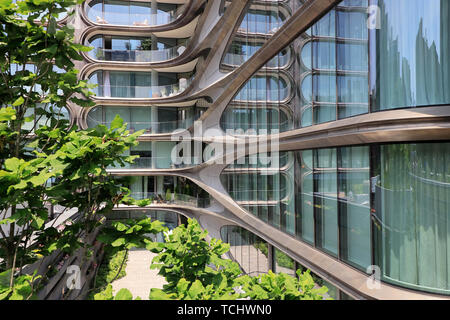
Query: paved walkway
x=139 y=278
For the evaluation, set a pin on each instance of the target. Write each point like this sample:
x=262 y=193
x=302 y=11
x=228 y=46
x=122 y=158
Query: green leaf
x=7 y=114
x=196 y=289
x=5 y=293
x=13 y=164
x=118 y=242
x=117 y=122
x=158 y=294
x=124 y=294
x=18 y=102
x=5 y=278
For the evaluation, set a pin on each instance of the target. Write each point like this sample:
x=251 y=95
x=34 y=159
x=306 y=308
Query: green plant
x=168 y=195
x=107 y=294
x=146 y=44
x=39 y=78
x=22 y=288
x=194 y=269
x=111 y=268
x=281 y=286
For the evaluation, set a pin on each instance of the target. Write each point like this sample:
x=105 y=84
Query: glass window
x=412 y=210
x=305 y=197
x=325 y=199
x=411 y=54
x=354 y=205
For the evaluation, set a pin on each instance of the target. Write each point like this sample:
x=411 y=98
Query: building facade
x=305 y=133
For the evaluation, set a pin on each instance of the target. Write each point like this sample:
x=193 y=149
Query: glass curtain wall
x=412 y=214
x=408 y=59
x=411 y=54
x=384 y=204
x=265 y=192
x=334 y=66
x=262 y=103
x=323 y=200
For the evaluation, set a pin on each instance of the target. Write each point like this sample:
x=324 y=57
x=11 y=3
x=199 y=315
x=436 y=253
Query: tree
x=43 y=159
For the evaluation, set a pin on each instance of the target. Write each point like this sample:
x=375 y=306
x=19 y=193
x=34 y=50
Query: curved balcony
x=137 y=55
x=175 y=199
x=132 y=13
x=154 y=120
x=138 y=92
x=119 y=84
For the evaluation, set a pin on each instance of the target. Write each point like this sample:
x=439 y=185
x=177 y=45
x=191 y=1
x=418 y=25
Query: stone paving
x=139 y=277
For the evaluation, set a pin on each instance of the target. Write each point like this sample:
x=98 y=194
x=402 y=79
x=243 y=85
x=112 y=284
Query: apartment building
x=338 y=118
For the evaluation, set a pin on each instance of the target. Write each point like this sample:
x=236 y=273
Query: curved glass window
x=132 y=13
x=127 y=84
x=260 y=119
x=249 y=187
x=135 y=49
x=150 y=119
x=412 y=210
x=336 y=64
x=411 y=54
x=240 y=51
x=262 y=21
x=262 y=88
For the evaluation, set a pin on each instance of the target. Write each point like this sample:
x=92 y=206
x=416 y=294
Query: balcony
x=175 y=199
x=153 y=120
x=137 y=55
x=130 y=13
x=139 y=92
x=137 y=85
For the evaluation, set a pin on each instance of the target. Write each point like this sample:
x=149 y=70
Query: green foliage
x=281 y=286
x=43 y=159
x=193 y=267
x=132 y=233
x=22 y=288
x=168 y=195
x=195 y=270
x=107 y=294
x=112 y=268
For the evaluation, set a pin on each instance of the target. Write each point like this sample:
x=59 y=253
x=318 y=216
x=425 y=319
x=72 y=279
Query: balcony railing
x=137 y=55
x=134 y=19
x=118 y=91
